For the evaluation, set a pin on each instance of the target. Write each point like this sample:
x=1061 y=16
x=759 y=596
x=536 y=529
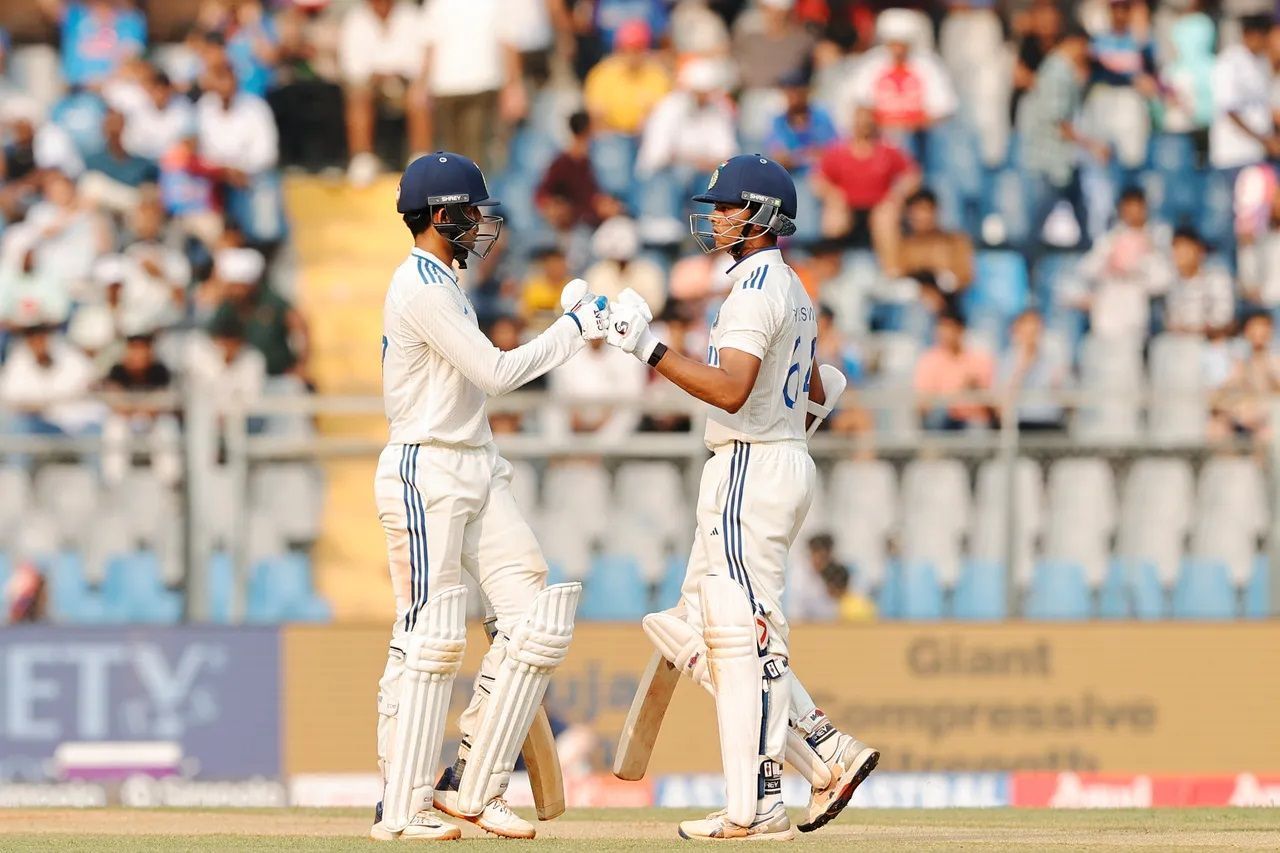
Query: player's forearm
x=514 y=368
x=713 y=385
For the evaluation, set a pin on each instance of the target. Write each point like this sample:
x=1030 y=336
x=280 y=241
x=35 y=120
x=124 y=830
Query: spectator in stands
x=570 y=180
x=71 y=234
x=601 y=23
x=862 y=183
x=952 y=367
x=28 y=292
x=140 y=371
x=1122 y=81
x=27 y=596
x=238 y=138
x=696 y=29
x=802 y=131
x=380 y=54
x=251 y=47
x=1044 y=31
x=156 y=117
x=836 y=349
x=307 y=101
x=1188 y=81
x=622 y=90
x=769 y=45
x=36 y=144
x=906 y=87
x=97 y=35
x=597 y=373
x=616 y=245
x=1241 y=408
x=827 y=279
x=927 y=248
x=829 y=593
x=113 y=176
x=1124 y=270
x=1050 y=139
x=187 y=185
x=1030 y=367
x=1258 y=241
x=473 y=75
x=505 y=332
x=268 y=322
x=540 y=290
x=158 y=274
x=1200 y=301
x=221 y=369
x=44 y=385
x=1243 y=131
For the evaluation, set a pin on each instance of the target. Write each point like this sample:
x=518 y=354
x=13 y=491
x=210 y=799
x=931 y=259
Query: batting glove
x=589 y=311
x=629 y=325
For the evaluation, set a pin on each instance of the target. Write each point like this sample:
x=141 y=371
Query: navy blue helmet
x=763 y=190
x=456 y=184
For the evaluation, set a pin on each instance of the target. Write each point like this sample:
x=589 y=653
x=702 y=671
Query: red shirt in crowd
x=864 y=180
x=898 y=98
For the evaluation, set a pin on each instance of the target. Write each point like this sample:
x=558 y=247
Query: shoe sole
x=379 y=834
x=846 y=794
x=475 y=821
x=782 y=835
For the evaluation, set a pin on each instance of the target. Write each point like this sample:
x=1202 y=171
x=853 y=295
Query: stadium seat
x=70 y=494
x=280 y=590
x=290 y=494
x=1155 y=511
x=1112 y=368
x=71 y=600
x=1204 y=591
x=1000 y=290
x=524 y=486
x=862 y=507
x=921 y=592
x=1058 y=592
x=897 y=357
x=672 y=581
x=651 y=495
x=578 y=490
x=150 y=507
x=36 y=536
x=613 y=158
x=980 y=592
x=988 y=536
x=6 y=569
x=1131 y=590
x=15 y=496
x=935 y=515
x=1081 y=514
x=133 y=590
x=1257 y=604
x=614 y=591
x=220 y=587
x=890 y=592
x=1008 y=201
x=1231 y=513
x=1177 y=414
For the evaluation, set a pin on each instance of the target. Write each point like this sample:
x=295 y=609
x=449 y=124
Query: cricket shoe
x=425 y=826
x=852 y=764
x=773 y=825
x=497 y=817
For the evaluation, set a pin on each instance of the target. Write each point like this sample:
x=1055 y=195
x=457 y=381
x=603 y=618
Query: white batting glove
x=589 y=311
x=629 y=325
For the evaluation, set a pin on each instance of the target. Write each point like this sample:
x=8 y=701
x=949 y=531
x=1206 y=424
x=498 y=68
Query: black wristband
x=658 y=352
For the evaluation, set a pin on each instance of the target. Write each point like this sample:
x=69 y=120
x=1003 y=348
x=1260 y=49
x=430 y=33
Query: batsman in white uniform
x=445 y=502
x=729 y=632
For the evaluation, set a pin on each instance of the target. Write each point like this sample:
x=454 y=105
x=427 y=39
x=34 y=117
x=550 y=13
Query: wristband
x=658 y=352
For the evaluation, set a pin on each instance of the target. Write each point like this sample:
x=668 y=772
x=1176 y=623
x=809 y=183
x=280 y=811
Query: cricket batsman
x=765 y=389
x=446 y=506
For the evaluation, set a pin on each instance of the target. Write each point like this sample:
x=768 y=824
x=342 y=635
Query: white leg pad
x=432 y=655
x=736 y=674
x=677 y=641
x=537 y=646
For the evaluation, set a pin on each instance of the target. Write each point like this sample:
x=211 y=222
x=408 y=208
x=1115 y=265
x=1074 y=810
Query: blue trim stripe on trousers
x=416 y=523
x=731 y=518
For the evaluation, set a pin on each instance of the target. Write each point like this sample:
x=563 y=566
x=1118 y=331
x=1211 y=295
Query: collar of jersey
x=432 y=259
x=752 y=261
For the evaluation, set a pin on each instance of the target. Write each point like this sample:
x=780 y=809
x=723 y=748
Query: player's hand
x=589 y=311
x=629 y=320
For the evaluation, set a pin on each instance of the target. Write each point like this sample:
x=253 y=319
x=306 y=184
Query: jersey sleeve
x=748 y=322
x=435 y=317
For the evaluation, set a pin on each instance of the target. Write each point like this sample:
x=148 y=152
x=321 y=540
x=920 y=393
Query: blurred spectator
x=605 y=21
x=926 y=247
x=802 y=131
x=139 y=371
x=951 y=367
x=769 y=45
x=616 y=245
x=505 y=331
x=238 y=138
x=906 y=87
x=828 y=593
x=187 y=191
x=1238 y=410
x=267 y=321
x=221 y=369
x=540 y=290
x=156 y=117
x=96 y=35
x=113 y=176
x=1126 y=267
x=596 y=373
x=1258 y=236
x=1031 y=367
x=307 y=101
x=28 y=292
x=625 y=86
x=35 y=144
x=44 y=385
x=1200 y=301
x=827 y=279
x=863 y=182
x=835 y=349
x=473 y=75
x=570 y=180
x=688 y=134
x=696 y=29
x=1243 y=130
x=27 y=596
x=1050 y=140
x=158 y=274
x=70 y=234
x=1188 y=78
x=1043 y=34
x=380 y=55
x=1123 y=65
x=250 y=36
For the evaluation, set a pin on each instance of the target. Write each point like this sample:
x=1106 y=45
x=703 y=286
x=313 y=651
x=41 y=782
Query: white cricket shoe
x=851 y=765
x=425 y=826
x=497 y=817
x=363 y=169
x=773 y=825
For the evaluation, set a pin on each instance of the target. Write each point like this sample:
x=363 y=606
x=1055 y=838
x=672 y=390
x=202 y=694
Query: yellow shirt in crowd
x=620 y=97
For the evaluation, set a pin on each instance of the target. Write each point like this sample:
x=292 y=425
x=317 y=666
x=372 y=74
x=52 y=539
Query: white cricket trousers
x=751 y=503
x=446 y=509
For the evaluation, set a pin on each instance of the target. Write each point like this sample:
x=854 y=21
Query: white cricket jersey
x=769 y=315
x=438 y=367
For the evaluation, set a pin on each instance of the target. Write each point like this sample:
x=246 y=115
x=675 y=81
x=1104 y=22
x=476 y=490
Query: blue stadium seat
x=1204 y=591
x=921 y=592
x=1256 y=595
x=980 y=591
x=221 y=583
x=889 y=595
x=133 y=590
x=531 y=152
x=1000 y=290
x=556 y=574
x=1009 y=201
x=279 y=589
x=613 y=158
x=1131 y=590
x=6 y=568
x=1058 y=592
x=672 y=581
x=614 y=591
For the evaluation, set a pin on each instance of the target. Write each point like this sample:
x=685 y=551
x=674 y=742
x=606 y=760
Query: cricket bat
x=644 y=720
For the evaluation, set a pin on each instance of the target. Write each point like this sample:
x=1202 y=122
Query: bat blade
x=543 y=763
x=644 y=720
